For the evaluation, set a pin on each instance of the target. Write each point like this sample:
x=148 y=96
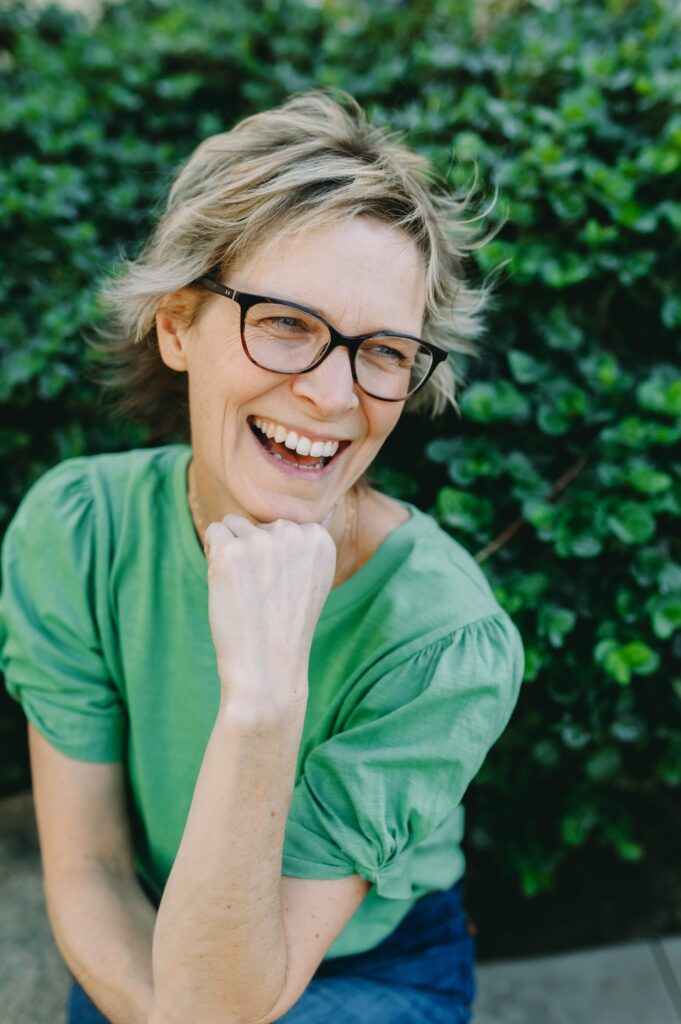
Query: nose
x=330 y=385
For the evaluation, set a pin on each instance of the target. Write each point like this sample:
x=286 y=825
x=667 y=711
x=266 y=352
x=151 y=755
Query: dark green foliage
x=563 y=472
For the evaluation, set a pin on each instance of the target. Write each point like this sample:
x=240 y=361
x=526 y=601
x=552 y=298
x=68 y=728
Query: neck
x=344 y=527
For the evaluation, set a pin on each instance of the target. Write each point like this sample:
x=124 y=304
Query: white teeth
x=296 y=442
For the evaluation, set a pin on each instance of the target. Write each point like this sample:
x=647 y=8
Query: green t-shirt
x=414 y=672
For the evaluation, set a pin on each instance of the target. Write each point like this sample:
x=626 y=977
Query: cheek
x=218 y=377
x=385 y=421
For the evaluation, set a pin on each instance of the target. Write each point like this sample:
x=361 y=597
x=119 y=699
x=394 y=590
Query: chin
x=285 y=506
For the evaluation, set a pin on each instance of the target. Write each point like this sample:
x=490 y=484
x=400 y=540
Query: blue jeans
x=423 y=972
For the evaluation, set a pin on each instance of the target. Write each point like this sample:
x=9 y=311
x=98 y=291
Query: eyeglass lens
x=280 y=337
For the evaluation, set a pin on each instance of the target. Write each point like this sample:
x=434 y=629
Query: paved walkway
x=637 y=983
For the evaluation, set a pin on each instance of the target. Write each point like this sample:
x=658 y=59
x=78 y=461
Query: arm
x=101 y=919
x=224 y=951
x=234 y=941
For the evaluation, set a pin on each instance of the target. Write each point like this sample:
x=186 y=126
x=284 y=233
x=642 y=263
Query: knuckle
x=259 y=540
x=215 y=532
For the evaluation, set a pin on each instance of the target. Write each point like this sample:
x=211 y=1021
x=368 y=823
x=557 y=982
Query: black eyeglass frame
x=246 y=299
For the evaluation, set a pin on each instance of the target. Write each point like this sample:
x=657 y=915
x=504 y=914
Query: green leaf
x=628 y=604
x=391 y=481
x=546 y=753
x=585 y=546
x=463 y=511
x=577 y=825
x=542 y=514
x=669 y=578
x=648 y=480
x=560 y=329
x=442 y=449
x=632 y=523
x=574 y=735
x=665 y=615
x=598 y=235
x=641 y=658
x=634 y=432
x=535 y=878
x=629 y=850
x=607 y=655
x=628 y=730
x=603 y=372
x=556 y=623
x=568 y=269
x=491 y=401
x=661 y=392
x=534 y=661
x=525 y=368
x=668 y=768
x=475 y=458
x=551 y=421
x=603 y=764
x=621 y=661
x=671 y=308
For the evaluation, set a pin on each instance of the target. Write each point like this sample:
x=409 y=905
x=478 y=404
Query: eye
x=391 y=353
x=287 y=323
x=386 y=354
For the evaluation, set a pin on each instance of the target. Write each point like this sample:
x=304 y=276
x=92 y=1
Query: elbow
x=164 y=1016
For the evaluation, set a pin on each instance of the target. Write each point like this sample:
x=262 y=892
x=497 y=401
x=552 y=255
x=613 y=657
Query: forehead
x=361 y=274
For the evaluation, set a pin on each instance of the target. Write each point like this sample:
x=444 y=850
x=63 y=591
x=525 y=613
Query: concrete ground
x=636 y=983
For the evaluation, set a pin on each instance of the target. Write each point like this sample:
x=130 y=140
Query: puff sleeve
x=404 y=758
x=50 y=651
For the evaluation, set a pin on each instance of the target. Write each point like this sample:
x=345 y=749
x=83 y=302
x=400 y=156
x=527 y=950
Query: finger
x=274 y=525
x=216 y=533
x=238 y=526
x=326 y=520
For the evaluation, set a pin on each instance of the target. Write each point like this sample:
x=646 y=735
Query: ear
x=173 y=318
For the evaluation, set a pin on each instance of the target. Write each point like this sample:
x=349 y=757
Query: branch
x=511 y=530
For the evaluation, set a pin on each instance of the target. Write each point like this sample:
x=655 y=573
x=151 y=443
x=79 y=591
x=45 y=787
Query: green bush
x=562 y=474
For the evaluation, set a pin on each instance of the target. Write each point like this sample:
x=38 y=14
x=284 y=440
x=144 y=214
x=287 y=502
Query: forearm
x=103 y=925
x=219 y=947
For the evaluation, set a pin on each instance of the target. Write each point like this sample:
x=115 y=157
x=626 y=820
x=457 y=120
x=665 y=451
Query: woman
x=257 y=689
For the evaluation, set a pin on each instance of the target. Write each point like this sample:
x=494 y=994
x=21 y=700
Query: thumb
x=325 y=521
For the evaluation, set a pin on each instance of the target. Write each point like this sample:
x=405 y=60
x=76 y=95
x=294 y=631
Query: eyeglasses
x=288 y=338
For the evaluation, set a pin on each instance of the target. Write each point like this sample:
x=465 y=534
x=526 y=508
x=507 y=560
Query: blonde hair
x=312 y=160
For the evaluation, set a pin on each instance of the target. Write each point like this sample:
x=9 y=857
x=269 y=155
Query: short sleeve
x=50 y=652
x=404 y=759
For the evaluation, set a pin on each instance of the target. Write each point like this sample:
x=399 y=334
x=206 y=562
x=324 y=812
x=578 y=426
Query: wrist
x=243 y=711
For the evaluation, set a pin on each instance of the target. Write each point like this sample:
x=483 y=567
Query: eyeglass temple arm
x=216 y=286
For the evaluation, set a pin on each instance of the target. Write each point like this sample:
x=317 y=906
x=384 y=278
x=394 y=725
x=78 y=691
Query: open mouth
x=289 y=456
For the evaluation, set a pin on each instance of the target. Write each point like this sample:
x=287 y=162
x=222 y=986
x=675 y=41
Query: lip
x=296 y=471
x=301 y=432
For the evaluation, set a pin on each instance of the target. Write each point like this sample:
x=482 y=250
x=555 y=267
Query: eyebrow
x=324 y=316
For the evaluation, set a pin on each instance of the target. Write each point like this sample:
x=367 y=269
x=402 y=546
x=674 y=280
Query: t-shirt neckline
x=388 y=554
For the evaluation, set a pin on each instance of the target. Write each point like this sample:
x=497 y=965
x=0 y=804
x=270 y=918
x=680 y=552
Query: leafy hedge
x=562 y=474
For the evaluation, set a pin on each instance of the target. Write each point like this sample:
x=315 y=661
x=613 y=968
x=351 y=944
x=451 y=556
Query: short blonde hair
x=312 y=160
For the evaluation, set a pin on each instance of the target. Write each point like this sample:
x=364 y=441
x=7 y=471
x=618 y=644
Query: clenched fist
x=267 y=585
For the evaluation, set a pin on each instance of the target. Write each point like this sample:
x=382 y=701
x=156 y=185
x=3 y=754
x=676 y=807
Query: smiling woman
x=383 y=287
x=257 y=688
